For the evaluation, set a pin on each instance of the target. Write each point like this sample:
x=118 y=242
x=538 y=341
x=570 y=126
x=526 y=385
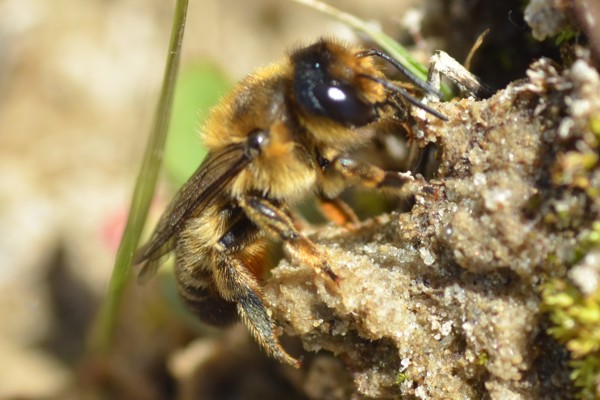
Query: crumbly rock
x=443 y=302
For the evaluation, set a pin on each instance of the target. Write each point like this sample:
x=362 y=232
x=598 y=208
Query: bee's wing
x=211 y=178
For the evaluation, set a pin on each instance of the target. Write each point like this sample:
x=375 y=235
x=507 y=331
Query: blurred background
x=79 y=81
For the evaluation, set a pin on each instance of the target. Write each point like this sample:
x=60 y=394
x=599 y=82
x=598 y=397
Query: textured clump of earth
x=443 y=301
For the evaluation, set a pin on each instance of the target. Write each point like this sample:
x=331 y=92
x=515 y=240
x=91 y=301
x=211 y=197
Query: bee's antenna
x=424 y=86
x=412 y=100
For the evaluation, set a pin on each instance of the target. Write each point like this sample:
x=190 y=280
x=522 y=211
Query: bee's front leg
x=369 y=175
x=275 y=219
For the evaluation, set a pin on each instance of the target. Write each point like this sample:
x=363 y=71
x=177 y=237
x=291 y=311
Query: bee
x=285 y=132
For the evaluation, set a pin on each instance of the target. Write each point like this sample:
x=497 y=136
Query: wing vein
x=210 y=179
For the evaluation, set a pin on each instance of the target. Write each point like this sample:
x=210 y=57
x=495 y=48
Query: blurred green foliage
x=198 y=89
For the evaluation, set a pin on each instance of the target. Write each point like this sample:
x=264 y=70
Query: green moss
x=573 y=168
x=586 y=373
x=566 y=35
x=576 y=320
x=593 y=239
x=483 y=358
x=402 y=377
x=595 y=125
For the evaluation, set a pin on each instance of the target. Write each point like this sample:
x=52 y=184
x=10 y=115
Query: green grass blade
x=104 y=325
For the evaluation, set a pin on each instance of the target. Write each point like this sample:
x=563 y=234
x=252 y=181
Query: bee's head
x=344 y=85
x=328 y=83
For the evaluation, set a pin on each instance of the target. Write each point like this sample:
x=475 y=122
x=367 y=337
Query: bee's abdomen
x=205 y=302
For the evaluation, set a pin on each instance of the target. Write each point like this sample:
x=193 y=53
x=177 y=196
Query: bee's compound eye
x=342 y=103
x=256 y=141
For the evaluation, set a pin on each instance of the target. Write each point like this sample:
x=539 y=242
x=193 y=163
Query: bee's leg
x=338 y=212
x=274 y=218
x=237 y=285
x=369 y=175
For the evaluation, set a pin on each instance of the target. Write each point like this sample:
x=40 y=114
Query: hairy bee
x=286 y=131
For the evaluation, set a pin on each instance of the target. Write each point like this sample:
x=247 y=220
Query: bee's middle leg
x=275 y=219
x=338 y=212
